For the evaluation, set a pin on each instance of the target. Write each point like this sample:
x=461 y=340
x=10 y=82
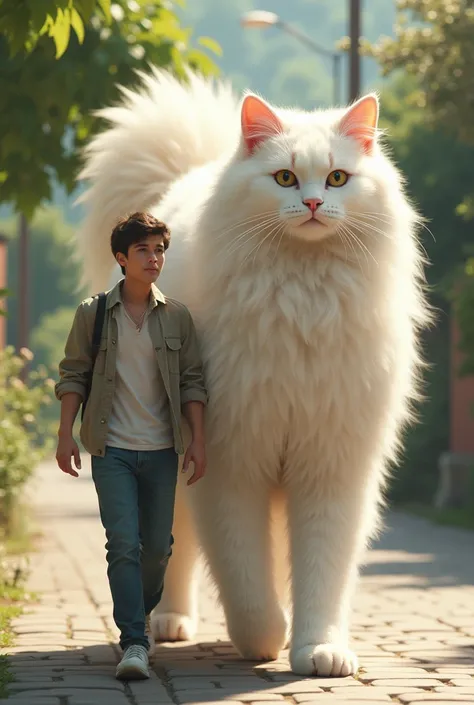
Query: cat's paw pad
x=323 y=660
x=171 y=626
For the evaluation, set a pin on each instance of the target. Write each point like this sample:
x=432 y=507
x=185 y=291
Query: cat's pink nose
x=313 y=203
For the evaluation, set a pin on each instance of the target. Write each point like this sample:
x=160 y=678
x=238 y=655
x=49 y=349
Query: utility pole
x=3 y=288
x=354 y=54
x=23 y=283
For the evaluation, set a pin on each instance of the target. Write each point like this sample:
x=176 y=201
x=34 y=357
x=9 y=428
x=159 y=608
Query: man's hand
x=67 y=447
x=196 y=454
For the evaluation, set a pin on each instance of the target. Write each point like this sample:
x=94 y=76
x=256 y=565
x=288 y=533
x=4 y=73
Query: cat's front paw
x=171 y=626
x=323 y=660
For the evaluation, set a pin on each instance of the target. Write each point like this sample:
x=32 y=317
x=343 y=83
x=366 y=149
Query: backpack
x=96 y=336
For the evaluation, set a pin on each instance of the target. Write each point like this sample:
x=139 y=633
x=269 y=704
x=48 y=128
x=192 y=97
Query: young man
x=147 y=372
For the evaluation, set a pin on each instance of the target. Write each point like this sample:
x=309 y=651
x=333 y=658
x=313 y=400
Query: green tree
x=49 y=337
x=47 y=105
x=24 y=22
x=438 y=171
x=434 y=46
x=54 y=270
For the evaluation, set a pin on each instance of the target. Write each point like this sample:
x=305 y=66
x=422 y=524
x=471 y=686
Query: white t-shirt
x=140 y=416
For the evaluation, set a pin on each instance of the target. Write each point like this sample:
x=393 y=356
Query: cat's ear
x=259 y=122
x=361 y=122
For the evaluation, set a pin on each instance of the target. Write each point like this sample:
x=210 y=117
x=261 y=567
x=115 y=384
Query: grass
x=13 y=596
x=10 y=608
x=5 y=677
x=12 y=600
x=460 y=518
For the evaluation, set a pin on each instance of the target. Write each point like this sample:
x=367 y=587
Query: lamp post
x=23 y=283
x=354 y=53
x=261 y=19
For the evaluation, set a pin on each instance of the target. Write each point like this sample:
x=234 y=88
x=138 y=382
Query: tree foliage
x=433 y=163
x=49 y=337
x=434 y=45
x=24 y=22
x=54 y=272
x=47 y=105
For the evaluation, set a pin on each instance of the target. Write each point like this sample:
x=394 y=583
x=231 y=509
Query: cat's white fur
x=308 y=333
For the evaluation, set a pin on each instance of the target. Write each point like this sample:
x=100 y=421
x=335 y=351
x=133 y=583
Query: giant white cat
x=295 y=249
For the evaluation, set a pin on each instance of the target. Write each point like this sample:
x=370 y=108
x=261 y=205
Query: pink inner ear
x=361 y=121
x=258 y=122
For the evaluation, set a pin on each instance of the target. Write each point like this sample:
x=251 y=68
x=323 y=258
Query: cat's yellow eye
x=337 y=178
x=285 y=178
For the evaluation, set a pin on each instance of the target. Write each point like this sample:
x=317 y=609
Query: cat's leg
x=234 y=522
x=329 y=523
x=175 y=617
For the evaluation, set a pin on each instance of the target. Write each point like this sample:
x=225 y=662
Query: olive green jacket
x=177 y=354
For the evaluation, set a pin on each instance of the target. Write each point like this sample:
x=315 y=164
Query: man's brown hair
x=135 y=228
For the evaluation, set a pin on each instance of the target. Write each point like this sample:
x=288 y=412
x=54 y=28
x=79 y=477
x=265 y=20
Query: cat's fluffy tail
x=158 y=133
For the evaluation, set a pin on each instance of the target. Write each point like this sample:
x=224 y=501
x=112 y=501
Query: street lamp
x=261 y=19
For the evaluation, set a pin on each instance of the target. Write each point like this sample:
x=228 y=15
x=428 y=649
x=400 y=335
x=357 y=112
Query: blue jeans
x=136 y=491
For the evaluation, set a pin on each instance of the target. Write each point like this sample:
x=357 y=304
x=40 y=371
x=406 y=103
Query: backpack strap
x=98 y=325
x=96 y=336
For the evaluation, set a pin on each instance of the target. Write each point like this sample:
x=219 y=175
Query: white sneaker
x=149 y=635
x=134 y=664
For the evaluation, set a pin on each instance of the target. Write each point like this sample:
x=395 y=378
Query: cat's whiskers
x=258 y=226
x=237 y=243
x=279 y=242
x=246 y=221
x=340 y=231
x=347 y=237
x=372 y=231
x=357 y=239
x=258 y=246
x=388 y=218
x=366 y=228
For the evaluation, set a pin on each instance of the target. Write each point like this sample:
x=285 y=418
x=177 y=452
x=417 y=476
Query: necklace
x=137 y=323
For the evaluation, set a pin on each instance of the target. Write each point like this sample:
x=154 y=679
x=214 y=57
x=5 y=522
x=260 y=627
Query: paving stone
x=428 y=697
x=400 y=672
x=337 y=699
x=98 y=698
x=462 y=689
x=47 y=700
x=61 y=692
x=152 y=687
x=410 y=628
x=416 y=682
x=307 y=685
x=204 y=696
x=218 y=702
x=42 y=628
x=198 y=670
x=393 y=690
x=205 y=683
x=89 y=682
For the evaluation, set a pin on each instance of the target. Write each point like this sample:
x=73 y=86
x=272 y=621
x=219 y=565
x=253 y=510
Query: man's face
x=145 y=259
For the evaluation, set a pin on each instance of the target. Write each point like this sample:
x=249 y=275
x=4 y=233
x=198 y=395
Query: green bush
x=24 y=438
x=49 y=337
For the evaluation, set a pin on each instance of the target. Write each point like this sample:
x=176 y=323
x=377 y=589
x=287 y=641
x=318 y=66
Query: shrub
x=24 y=438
